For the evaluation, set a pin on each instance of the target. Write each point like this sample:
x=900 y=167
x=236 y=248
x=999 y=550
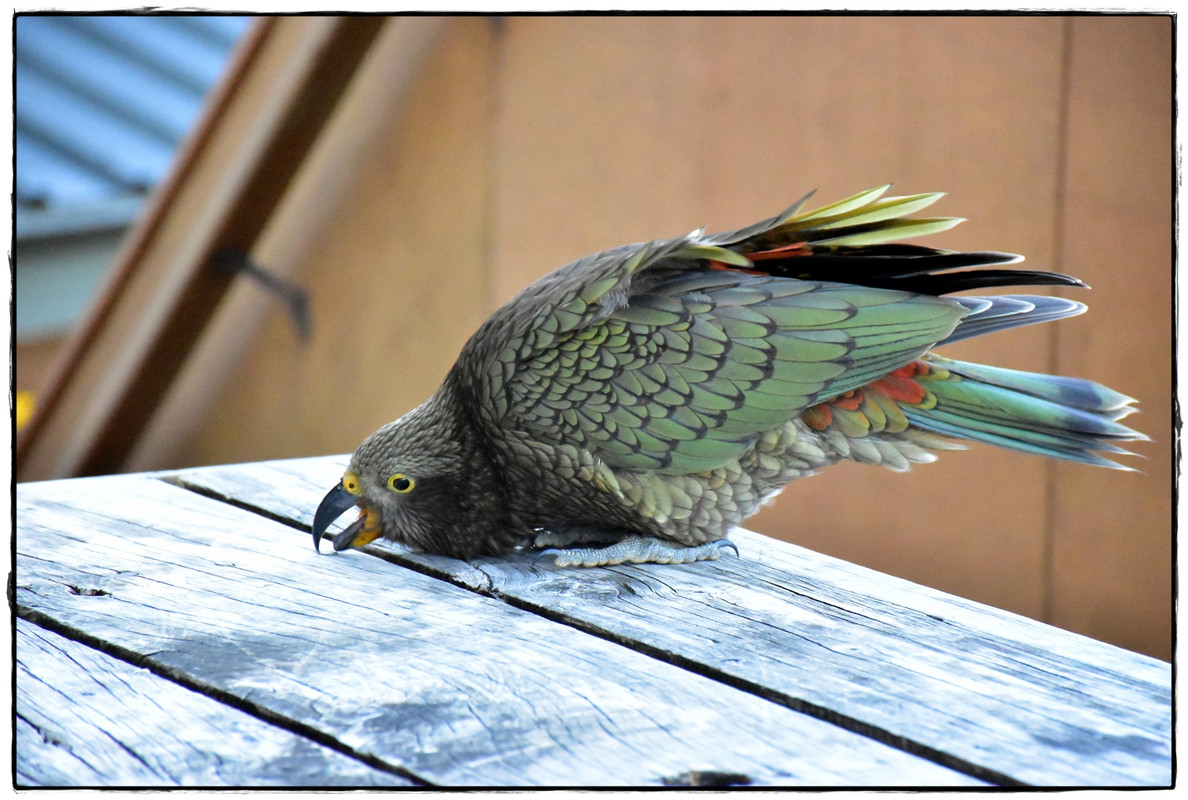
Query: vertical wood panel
x=598 y=138
x=1113 y=568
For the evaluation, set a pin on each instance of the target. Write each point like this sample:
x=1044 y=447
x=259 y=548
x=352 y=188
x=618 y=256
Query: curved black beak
x=336 y=501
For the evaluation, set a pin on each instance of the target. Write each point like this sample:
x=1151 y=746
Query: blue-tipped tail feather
x=1048 y=415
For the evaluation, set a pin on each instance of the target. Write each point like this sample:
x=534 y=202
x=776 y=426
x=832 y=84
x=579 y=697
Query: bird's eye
x=400 y=483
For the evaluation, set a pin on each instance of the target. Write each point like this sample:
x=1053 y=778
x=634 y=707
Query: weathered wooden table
x=178 y=629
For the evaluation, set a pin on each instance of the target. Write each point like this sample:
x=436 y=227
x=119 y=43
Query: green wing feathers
x=675 y=356
x=684 y=378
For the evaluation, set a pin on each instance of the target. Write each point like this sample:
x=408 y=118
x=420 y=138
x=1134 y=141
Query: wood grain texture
x=415 y=674
x=987 y=688
x=84 y=718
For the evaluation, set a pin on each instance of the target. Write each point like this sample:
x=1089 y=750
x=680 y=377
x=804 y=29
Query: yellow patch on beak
x=372 y=529
x=364 y=530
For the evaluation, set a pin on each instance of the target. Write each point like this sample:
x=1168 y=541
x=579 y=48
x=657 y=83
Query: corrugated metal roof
x=103 y=101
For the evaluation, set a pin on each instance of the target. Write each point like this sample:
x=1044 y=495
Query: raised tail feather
x=857 y=241
x=1005 y=311
x=1049 y=415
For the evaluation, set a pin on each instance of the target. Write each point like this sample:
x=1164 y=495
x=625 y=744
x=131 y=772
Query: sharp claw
x=552 y=551
x=725 y=543
x=336 y=501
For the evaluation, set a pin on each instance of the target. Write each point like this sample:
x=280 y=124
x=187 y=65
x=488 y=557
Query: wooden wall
x=530 y=141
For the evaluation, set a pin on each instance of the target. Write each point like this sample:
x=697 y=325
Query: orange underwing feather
x=901 y=385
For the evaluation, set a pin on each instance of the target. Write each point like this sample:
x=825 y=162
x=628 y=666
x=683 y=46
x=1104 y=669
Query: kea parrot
x=638 y=403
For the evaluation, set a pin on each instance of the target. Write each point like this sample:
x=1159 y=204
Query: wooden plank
x=418 y=675
x=219 y=196
x=84 y=718
x=992 y=690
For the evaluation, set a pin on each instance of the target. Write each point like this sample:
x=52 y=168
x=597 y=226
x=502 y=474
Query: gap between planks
x=480 y=582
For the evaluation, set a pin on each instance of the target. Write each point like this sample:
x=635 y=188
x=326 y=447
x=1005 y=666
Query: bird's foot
x=637 y=550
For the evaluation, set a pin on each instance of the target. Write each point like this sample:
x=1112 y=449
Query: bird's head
x=415 y=481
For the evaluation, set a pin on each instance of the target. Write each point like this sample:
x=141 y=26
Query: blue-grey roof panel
x=103 y=101
x=100 y=76
x=154 y=44
x=44 y=173
x=110 y=147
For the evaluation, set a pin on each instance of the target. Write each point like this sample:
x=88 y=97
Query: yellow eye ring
x=401 y=483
